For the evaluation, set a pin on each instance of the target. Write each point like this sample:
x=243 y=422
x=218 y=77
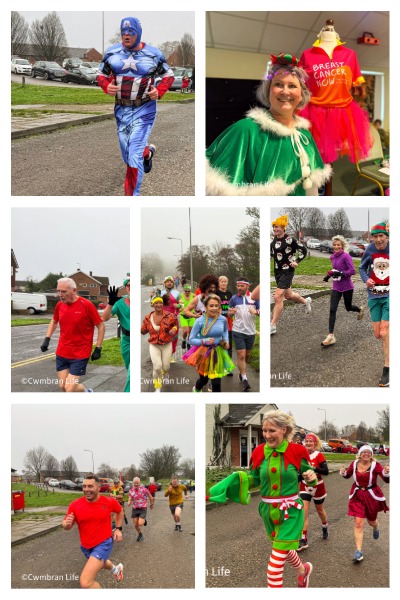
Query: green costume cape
x=258 y=156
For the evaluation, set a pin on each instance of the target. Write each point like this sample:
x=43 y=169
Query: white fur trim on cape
x=218 y=185
x=265 y=120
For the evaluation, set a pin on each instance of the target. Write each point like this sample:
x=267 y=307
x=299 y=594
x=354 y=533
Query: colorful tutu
x=340 y=131
x=210 y=361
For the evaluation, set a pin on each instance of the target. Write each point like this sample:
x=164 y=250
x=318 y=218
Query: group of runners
x=99 y=520
x=210 y=318
x=284 y=507
x=77 y=318
x=287 y=253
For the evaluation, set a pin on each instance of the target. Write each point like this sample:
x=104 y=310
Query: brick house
x=14 y=268
x=85 y=54
x=232 y=432
x=90 y=286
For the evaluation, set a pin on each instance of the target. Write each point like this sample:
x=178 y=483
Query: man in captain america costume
x=127 y=72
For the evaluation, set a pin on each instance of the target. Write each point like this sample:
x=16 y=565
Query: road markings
x=30 y=361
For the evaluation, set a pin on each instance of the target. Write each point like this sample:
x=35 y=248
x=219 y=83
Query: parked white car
x=21 y=65
x=313 y=244
x=53 y=482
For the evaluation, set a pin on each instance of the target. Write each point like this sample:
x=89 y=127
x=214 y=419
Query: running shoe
x=119 y=574
x=303 y=544
x=304 y=580
x=157 y=389
x=140 y=537
x=172 y=359
x=375 y=533
x=325 y=533
x=209 y=387
x=89 y=390
x=273 y=329
x=358 y=556
x=197 y=391
x=148 y=162
x=180 y=528
x=361 y=313
x=245 y=384
x=308 y=305
x=183 y=345
x=384 y=380
x=329 y=340
x=176 y=527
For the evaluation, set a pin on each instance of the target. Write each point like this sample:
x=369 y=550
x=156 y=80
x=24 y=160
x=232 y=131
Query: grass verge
x=111 y=353
x=22 y=322
x=312 y=265
x=40 y=94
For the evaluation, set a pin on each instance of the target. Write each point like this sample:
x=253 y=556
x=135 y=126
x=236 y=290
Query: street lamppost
x=325 y=420
x=174 y=238
x=92 y=458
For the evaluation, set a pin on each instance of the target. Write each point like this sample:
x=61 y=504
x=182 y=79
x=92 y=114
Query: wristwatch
x=120 y=528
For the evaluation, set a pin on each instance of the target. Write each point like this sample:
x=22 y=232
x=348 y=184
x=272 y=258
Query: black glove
x=112 y=295
x=336 y=274
x=327 y=277
x=96 y=353
x=45 y=346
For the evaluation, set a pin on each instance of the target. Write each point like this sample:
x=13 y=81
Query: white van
x=33 y=303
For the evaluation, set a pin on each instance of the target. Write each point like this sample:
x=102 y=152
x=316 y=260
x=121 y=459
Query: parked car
x=179 y=72
x=361 y=245
x=48 y=70
x=326 y=447
x=355 y=251
x=382 y=449
x=326 y=246
x=349 y=449
x=337 y=444
x=91 y=65
x=127 y=486
x=159 y=485
x=102 y=305
x=67 y=484
x=105 y=484
x=52 y=482
x=72 y=63
x=21 y=65
x=32 y=303
x=79 y=483
x=81 y=75
x=314 y=244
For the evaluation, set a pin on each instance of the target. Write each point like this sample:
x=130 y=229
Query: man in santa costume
x=374 y=271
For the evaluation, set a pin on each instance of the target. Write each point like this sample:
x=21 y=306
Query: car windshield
x=86 y=70
x=178 y=72
x=22 y=61
x=53 y=64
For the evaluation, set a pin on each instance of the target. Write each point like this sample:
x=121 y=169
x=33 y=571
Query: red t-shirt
x=77 y=323
x=93 y=519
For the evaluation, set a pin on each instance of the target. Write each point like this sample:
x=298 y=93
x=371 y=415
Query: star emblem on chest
x=130 y=63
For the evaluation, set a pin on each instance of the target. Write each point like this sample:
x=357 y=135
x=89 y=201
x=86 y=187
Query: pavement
x=31 y=528
x=61 y=116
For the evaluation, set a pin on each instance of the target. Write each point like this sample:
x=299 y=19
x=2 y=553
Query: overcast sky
x=62 y=239
x=308 y=415
x=358 y=217
x=209 y=225
x=116 y=434
x=83 y=29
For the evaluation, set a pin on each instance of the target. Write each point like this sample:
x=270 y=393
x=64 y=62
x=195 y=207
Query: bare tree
x=35 y=461
x=339 y=224
x=316 y=222
x=106 y=470
x=151 y=266
x=19 y=33
x=186 y=50
x=160 y=462
x=298 y=218
x=52 y=467
x=48 y=38
x=187 y=468
x=130 y=472
x=168 y=48
x=362 y=431
x=383 y=424
x=69 y=468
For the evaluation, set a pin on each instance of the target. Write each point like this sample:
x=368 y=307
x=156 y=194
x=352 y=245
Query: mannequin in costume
x=127 y=71
x=275 y=467
x=339 y=126
x=366 y=498
x=121 y=307
x=271 y=152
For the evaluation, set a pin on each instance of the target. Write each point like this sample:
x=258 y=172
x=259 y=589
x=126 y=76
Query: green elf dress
x=276 y=471
x=258 y=156
x=122 y=309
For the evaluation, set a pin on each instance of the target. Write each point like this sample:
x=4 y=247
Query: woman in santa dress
x=366 y=497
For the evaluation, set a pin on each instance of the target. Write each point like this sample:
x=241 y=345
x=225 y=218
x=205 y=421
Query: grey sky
x=83 y=29
x=62 y=239
x=209 y=225
x=116 y=434
x=308 y=415
x=358 y=217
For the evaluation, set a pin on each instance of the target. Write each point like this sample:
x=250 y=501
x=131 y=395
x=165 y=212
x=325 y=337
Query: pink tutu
x=340 y=131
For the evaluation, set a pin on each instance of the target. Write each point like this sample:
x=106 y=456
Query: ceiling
x=292 y=32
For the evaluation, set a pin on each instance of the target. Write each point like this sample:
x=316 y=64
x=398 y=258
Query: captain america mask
x=131 y=26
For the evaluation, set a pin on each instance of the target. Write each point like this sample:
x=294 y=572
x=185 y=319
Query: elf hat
x=380 y=228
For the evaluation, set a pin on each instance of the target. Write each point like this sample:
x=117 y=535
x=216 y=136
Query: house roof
x=88 y=276
x=14 y=258
x=102 y=280
x=240 y=414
